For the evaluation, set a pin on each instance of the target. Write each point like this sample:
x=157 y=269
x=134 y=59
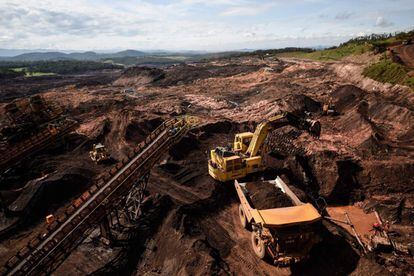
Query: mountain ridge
x=58 y=55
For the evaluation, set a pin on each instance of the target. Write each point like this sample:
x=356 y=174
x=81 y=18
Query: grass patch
x=296 y=54
x=388 y=71
x=410 y=82
x=332 y=53
x=340 y=52
x=38 y=74
x=28 y=73
x=19 y=69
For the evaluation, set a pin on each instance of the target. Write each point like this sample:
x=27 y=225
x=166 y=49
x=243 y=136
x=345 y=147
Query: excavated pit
x=137 y=131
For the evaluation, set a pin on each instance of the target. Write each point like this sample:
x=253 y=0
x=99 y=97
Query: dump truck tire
x=243 y=218
x=258 y=246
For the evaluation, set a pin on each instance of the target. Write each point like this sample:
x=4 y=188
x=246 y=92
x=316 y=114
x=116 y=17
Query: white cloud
x=382 y=22
x=247 y=9
x=181 y=24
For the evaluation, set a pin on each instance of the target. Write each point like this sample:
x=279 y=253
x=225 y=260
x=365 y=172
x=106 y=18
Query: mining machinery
x=246 y=154
x=99 y=154
x=122 y=186
x=286 y=235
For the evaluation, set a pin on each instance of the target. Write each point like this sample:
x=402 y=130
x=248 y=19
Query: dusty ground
x=365 y=154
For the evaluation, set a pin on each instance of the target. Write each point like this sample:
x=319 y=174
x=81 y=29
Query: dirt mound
x=265 y=195
x=184 y=147
x=122 y=130
x=373 y=146
x=299 y=104
x=22 y=87
x=232 y=69
x=52 y=190
x=153 y=73
x=140 y=76
x=346 y=97
x=406 y=54
x=178 y=75
x=337 y=178
x=137 y=130
x=181 y=74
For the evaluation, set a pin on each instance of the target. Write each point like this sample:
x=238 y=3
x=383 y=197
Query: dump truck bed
x=299 y=213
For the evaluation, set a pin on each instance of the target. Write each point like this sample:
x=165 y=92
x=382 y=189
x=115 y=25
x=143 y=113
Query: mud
x=23 y=87
x=180 y=74
x=364 y=156
x=265 y=195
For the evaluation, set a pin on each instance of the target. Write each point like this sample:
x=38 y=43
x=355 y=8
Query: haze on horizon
x=214 y=25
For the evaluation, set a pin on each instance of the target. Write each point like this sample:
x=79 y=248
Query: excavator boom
x=278 y=121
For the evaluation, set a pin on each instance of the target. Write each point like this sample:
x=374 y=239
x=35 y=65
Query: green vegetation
x=19 y=69
x=143 y=60
x=43 y=68
x=333 y=53
x=356 y=46
x=6 y=73
x=340 y=52
x=410 y=82
x=388 y=71
x=27 y=73
x=284 y=52
x=38 y=74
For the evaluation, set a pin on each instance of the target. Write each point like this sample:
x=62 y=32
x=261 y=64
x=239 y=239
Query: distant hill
x=127 y=53
x=55 y=56
x=40 y=56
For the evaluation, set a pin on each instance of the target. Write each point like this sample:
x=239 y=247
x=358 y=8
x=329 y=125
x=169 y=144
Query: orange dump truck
x=286 y=234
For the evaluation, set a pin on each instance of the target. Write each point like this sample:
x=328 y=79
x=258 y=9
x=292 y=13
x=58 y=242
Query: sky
x=213 y=25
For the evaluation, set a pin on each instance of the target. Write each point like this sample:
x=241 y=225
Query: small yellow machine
x=99 y=153
x=329 y=108
x=245 y=157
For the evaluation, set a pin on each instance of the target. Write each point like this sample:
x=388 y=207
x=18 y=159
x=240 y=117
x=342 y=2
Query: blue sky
x=194 y=24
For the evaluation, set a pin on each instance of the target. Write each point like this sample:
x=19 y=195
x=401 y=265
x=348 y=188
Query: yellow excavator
x=245 y=157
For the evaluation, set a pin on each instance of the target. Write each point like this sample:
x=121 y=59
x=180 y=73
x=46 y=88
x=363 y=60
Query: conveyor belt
x=45 y=253
x=14 y=154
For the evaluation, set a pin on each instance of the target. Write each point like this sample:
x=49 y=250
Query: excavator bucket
x=315 y=128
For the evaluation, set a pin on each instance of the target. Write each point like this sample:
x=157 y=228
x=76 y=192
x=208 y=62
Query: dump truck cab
x=285 y=234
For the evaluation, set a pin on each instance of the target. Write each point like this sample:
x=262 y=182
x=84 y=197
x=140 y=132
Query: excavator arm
x=278 y=121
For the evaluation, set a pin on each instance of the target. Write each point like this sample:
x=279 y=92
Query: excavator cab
x=223 y=152
x=225 y=164
x=242 y=141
